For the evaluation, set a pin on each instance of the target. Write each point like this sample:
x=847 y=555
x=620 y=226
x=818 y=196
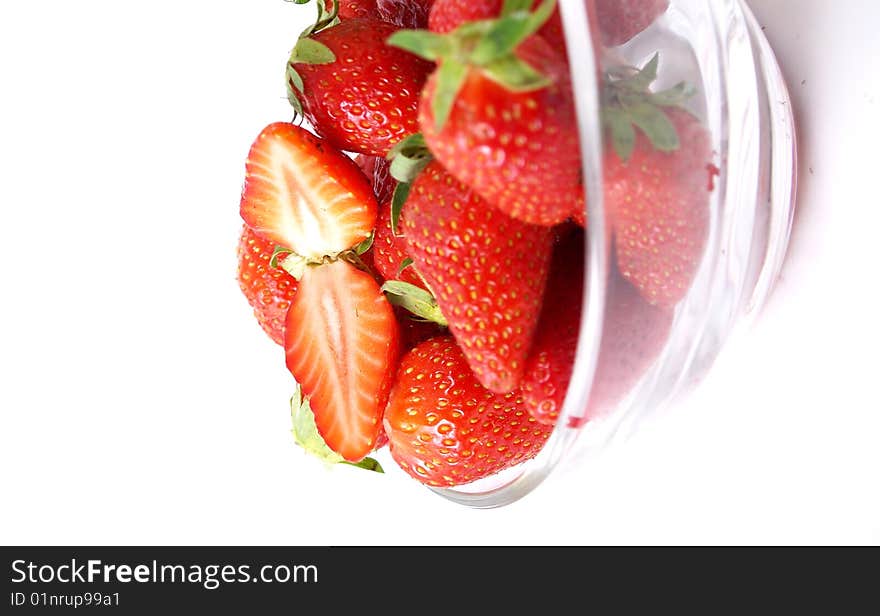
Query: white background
x=141 y=404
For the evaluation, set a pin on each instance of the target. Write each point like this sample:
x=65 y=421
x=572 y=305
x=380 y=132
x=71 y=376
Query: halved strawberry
x=269 y=290
x=342 y=343
x=359 y=93
x=304 y=195
x=446 y=429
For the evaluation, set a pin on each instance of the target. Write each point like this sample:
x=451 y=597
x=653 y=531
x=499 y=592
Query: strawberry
x=447 y=15
x=342 y=344
x=391 y=252
x=446 y=429
x=269 y=290
x=549 y=366
x=633 y=337
x=360 y=94
x=656 y=186
x=403 y=13
x=378 y=171
x=487 y=270
x=497 y=124
x=304 y=195
x=621 y=20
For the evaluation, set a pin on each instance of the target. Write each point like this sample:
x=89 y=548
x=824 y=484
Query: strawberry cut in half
x=342 y=343
x=304 y=195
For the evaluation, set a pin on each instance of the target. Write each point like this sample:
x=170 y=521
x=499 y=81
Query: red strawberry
x=359 y=93
x=447 y=15
x=550 y=363
x=446 y=429
x=269 y=290
x=501 y=127
x=632 y=339
x=487 y=270
x=621 y=20
x=342 y=345
x=403 y=13
x=658 y=162
x=302 y=194
x=390 y=252
x=378 y=171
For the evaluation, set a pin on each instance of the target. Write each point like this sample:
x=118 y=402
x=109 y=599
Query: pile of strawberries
x=428 y=290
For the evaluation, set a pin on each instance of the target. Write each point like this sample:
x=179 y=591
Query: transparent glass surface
x=740 y=99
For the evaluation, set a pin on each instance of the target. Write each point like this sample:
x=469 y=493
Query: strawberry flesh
x=302 y=194
x=342 y=345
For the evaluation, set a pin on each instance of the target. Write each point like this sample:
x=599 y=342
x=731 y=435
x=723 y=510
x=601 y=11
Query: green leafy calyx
x=309 y=51
x=487 y=45
x=415 y=299
x=629 y=104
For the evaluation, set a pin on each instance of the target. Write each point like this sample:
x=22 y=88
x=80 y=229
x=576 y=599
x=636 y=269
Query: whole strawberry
x=657 y=187
x=501 y=118
x=268 y=289
x=551 y=360
x=621 y=20
x=487 y=270
x=445 y=429
x=359 y=93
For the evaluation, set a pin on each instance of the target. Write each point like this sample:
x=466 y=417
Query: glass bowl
x=740 y=97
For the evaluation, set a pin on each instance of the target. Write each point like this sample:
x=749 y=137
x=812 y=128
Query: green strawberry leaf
x=401 y=192
x=277 y=253
x=515 y=75
x=623 y=136
x=368 y=464
x=310 y=51
x=655 y=124
x=365 y=245
x=403 y=265
x=674 y=96
x=450 y=79
x=512 y=6
x=508 y=31
x=423 y=43
x=415 y=299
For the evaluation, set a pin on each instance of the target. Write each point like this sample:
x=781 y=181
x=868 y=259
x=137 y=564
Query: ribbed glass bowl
x=717 y=47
